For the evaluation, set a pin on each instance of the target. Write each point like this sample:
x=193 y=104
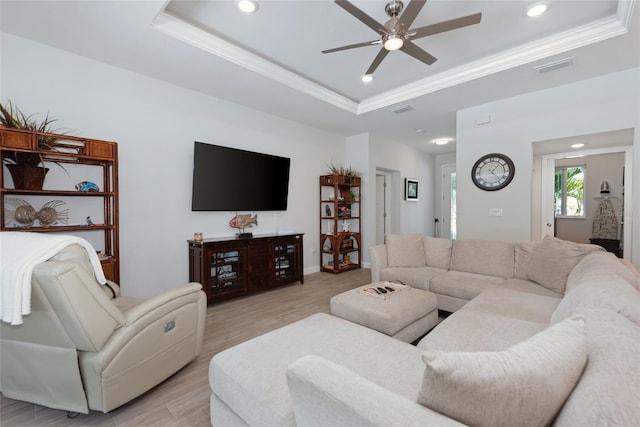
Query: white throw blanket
x=20 y=252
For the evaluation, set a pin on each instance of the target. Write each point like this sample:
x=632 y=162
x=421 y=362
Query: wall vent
x=401 y=109
x=554 y=65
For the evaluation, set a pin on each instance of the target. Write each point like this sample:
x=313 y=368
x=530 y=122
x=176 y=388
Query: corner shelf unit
x=340 y=223
x=97 y=159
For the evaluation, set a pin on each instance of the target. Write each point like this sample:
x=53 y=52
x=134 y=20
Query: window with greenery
x=569 y=191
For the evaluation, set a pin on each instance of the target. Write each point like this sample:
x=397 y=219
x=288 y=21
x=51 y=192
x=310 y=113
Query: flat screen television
x=230 y=179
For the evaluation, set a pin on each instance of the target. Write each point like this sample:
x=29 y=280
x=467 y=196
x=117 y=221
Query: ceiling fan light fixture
x=393 y=42
x=367 y=78
x=247 y=6
x=537 y=9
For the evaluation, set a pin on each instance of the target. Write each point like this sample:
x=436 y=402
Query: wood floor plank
x=183 y=399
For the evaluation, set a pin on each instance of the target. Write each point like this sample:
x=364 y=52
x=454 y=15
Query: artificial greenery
x=12 y=117
x=343 y=170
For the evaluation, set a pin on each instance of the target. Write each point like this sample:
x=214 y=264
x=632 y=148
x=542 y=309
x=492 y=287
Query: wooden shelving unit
x=340 y=223
x=101 y=159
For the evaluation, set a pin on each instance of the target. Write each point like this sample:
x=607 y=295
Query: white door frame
x=445 y=214
x=546 y=197
x=386 y=220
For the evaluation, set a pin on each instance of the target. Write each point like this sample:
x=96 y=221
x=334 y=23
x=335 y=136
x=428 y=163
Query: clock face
x=492 y=172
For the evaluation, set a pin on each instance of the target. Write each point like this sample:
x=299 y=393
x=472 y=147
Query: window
x=569 y=191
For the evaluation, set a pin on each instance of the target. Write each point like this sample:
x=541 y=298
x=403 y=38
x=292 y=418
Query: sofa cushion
x=552 y=261
x=608 y=392
x=515 y=304
x=525 y=385
x=529 y=287
x=250 y=377
x=405 y=250
x=468 y=330
x=416 y=277
x=463 y=285
x=489 y=257
x=523 y=253
x=609 y=292
x=438 y=252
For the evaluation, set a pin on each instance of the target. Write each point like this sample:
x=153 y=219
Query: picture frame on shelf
x=411 y=189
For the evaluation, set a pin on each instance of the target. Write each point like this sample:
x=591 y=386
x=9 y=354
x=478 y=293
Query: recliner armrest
x=147 y=306
x=327 y=394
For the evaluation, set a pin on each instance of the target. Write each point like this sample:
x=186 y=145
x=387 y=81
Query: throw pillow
x=552 y=261
x=523 y=252
x=438 y=252
x=525 y=385
x=405 y=250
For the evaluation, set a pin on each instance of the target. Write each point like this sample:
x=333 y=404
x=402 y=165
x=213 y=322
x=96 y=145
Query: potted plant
x=349 y=173
x=27 y=169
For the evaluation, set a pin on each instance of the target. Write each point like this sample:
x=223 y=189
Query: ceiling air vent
x=401 y=109
x=554 y=65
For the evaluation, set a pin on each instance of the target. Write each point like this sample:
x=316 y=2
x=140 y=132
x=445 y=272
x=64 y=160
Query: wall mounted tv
x=230 y=179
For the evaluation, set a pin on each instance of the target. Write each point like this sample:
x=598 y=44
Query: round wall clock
x=492 y=172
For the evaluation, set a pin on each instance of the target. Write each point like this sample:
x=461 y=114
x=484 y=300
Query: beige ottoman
x=405 y=314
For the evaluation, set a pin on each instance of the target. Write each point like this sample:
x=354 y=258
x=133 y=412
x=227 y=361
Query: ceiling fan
x=396 y=33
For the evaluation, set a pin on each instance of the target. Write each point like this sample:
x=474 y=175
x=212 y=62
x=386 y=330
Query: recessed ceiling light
x=537 y=9
x=441 y=141
x=367 y=78
x=578 y=145
x=248 y=6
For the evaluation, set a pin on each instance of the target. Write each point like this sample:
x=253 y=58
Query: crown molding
x=177 y=28
x=574 y=38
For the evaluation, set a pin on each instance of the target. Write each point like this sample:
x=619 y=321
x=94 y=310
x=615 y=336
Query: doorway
x=447 y=228
x=620 y=192
x=383 y=205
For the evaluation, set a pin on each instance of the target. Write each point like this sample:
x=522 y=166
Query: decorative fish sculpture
x=242 y=221
x=87 y=186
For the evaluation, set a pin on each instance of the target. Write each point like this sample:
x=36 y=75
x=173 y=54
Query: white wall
x=606 y=103
x=155 y=124
x=412 y=216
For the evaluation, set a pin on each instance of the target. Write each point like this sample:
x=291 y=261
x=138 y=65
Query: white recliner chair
x=86 y=347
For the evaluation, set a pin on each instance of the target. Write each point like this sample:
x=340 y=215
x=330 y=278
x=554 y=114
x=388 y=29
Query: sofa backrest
x=489 y=257
x=438 y=252
x=405 y=250
x=598 y=263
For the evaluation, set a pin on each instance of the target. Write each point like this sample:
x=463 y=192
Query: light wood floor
x=183 y=399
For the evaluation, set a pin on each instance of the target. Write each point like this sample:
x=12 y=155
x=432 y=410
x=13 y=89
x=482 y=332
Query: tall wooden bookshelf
x=340 y=223
x=96 y=216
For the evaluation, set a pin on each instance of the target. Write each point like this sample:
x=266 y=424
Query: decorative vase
x=27 y=177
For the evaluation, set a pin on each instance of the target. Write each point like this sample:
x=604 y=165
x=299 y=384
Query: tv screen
x=230 y=179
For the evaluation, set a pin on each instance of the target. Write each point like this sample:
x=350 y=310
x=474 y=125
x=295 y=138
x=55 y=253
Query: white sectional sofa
x=556 y=346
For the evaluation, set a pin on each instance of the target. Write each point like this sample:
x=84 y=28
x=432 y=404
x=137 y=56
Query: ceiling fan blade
x=444 y=26
x=377 y=60
x=421 y=55
x=352 y=46
x=410 y=14
x=362 y=17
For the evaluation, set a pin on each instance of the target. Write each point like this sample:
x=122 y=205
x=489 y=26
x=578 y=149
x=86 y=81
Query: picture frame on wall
x=411 y=189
